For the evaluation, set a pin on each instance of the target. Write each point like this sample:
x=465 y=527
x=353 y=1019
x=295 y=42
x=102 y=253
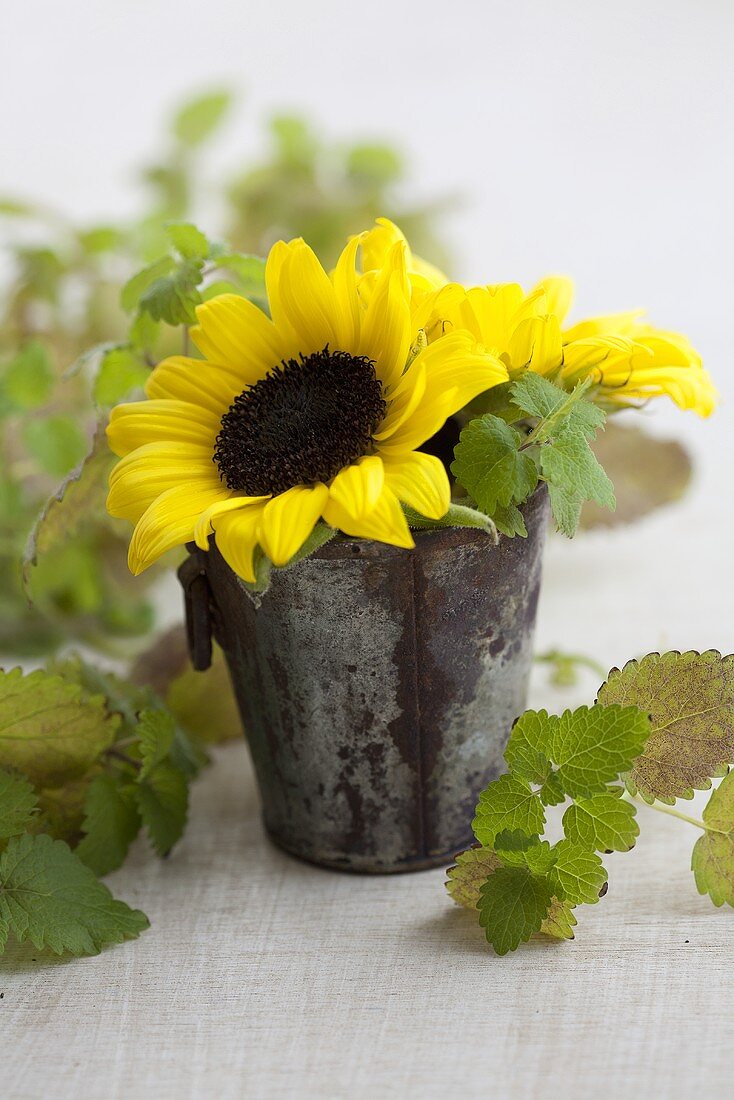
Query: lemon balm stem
x=661 y=809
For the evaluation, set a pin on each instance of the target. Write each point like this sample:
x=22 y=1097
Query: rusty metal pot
x=377 y=686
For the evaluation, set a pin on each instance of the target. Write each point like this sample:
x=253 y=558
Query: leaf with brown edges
x=690 y=700
x=472 y=869
x=712 y=861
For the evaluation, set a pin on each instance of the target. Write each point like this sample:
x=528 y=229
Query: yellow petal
x=141 y=476
x=274 y=266
x=453 y=362
x=420 y=480
x=206 y=521
x=308 y=300
x=386 y=327
x=595 y=355
x=669 y=348
x=536 y=345
x=428 y=272
x=496 y=308
x=357 y=488
x=234 y=332
x=405 y=400
x=195 y=381
x=140 y=422
x=378 y=243
x=236 y=536
x=558 y=291
x=289 y=519
x=169 y=521
x=619 y=324
x=385 y=522
x=347 y=296
x=425 y=422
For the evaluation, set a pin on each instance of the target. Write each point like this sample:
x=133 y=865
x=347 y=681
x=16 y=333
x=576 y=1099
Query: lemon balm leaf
x=602 y=823
x=509 y=520
x=569 y=465
x=559 y=409
x=509 y=803
x=111 y=823
x=49 y=730
x=162 y=798
x=156 y=731
x=121 y=370
x=28 y=378
x=198 y=119
x=690 y=700
x=578 y=876
x=173 y=298
x=526 y=752
x=248 y=271
x=712 y=861
x=566 y=507
x=560 y=445
x=513 y=903
x=472 y=869
x=136 y=286
x=17 y=803
x=592 y=745
x=49 y=897
x=489 y=464
x=560 y=921
x=589 y=746
x=517 y=849
x=188 y=241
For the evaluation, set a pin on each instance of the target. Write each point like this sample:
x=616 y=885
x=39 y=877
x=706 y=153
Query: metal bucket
x=377 y=686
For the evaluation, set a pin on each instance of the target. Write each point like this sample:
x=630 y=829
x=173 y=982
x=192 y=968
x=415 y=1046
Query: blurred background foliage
x=80 y=330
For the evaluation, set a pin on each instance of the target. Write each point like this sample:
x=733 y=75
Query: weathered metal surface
x=378 y=686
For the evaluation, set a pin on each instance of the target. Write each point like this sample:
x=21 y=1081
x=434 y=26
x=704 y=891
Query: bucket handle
x=197 y=603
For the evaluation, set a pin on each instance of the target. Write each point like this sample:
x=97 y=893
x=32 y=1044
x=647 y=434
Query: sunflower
x=315 y=411
x=628 y=359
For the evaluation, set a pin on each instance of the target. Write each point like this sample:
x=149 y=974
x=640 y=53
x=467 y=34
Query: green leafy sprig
x=661 y=728
x=86 y=761
x=542 y=433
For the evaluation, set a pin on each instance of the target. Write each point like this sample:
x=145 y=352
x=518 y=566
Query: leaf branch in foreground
x=500 y=465
x=49 y=897
x=520 y=883
x=662 y=725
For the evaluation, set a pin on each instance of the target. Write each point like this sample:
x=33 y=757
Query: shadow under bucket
x=377 y=686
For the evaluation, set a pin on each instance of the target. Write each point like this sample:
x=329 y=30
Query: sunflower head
x=628 y=360
x=314 y=410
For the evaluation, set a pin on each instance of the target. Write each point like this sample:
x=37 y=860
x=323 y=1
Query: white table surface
x=265 y=977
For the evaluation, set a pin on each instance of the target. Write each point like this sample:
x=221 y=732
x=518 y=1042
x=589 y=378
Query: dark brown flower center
x=303 y=422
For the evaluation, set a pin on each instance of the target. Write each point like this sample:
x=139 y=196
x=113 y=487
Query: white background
x=589 y=138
